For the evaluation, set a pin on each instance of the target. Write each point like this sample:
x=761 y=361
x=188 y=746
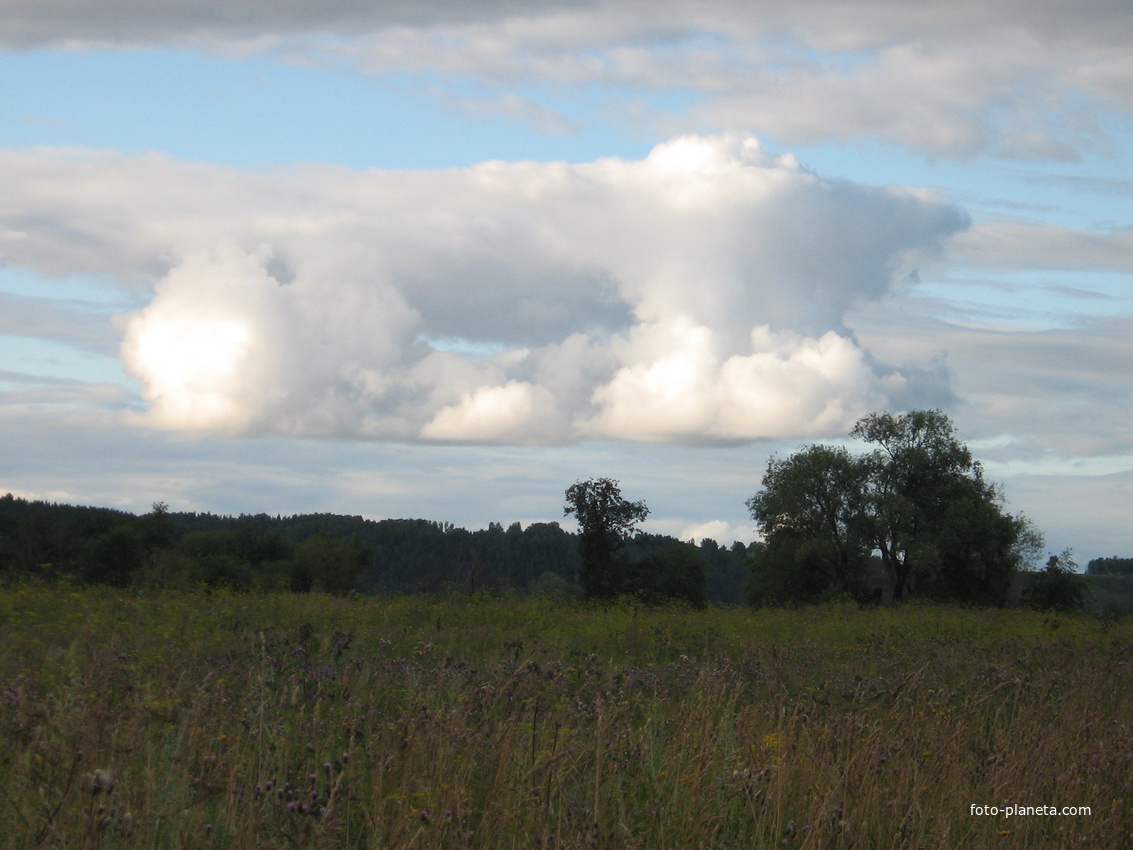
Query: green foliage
x=112 y=557
x=1108 y=596
x=326 y=564
x=811 y=515
x=183 y=551
x=554 y=587
x=919 y=500
x=788 y=570
x=1058 y=587
x=672 y=574
x=1112 y=566
x=605 y=521
x=726 y=571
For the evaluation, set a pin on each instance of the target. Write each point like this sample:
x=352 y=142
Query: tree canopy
x=41 y=541
x=605 y=521
x=914 y=513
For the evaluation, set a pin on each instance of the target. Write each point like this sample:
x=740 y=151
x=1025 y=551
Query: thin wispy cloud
x=1017 y=79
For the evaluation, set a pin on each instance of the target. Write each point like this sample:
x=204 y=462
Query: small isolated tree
x=605 y=522
x=673 y=574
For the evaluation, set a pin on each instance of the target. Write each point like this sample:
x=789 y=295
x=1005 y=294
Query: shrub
x=1058 y=587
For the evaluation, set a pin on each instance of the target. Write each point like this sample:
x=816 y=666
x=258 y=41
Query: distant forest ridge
x=1112 y=566
x=328 y=552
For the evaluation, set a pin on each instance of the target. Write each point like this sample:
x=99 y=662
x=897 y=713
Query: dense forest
x=1110 y=567
x=328 y=552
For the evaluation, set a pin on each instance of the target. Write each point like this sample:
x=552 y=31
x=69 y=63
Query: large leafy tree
x=936 y=522
x=918 y=500
x=812 y=517
x=605 y=521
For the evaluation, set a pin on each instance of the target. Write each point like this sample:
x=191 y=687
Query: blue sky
x=252 y=112
x=360 y=261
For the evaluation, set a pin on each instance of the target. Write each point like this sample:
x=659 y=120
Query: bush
x=675 y=574
x=1058 y=587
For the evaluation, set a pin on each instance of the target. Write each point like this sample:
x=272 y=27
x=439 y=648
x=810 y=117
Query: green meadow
x=162 y=720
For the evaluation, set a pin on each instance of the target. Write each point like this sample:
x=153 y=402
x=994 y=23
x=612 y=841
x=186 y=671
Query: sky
x=443 y=259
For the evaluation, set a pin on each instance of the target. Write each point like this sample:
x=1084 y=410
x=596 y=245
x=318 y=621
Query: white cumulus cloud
x=697 y=295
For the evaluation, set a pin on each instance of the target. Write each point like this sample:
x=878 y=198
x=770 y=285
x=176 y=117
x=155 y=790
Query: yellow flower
x=773 y=743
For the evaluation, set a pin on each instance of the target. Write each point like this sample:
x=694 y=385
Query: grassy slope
x=292 y=721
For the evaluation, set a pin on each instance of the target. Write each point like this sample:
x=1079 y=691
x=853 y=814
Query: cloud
x=678 y=386
x=1018 y=245
x=22 y=392
x=78 y=323
x=1052 y=394
x=962 y=79
x=224 y=346
x=832 y=25
x=695 y=295
x=511 y=412
x=1017 y=79
x=721 y=532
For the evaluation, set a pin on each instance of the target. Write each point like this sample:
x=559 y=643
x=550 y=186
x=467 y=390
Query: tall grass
x=192 y=721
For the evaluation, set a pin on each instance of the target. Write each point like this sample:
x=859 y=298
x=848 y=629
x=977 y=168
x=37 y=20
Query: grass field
x=193 y=721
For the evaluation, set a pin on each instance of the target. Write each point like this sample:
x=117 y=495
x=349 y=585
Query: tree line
x=325 y=552
x=910 y=515
x=1112 y=566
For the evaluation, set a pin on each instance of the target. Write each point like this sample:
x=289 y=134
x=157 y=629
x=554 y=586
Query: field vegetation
x=196 y=720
